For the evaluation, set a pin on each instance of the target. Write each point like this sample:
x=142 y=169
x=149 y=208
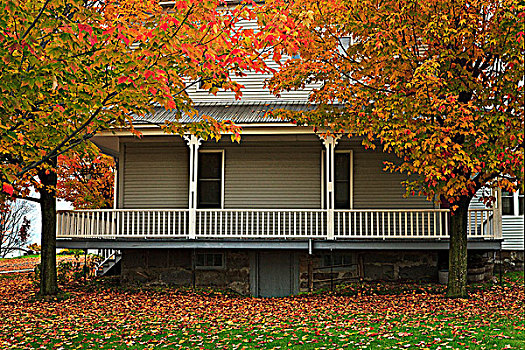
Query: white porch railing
x=407 y=223
x=123 y=223
x=270 y=223
x=482 y=224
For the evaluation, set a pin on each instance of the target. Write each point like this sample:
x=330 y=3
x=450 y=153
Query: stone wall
x=511 y=260
x=321 y=270
x=174 y=267
x=316 y=274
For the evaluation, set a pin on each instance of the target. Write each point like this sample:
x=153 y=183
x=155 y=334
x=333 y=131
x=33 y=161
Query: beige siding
x=262 y=172
x=155 y=175
x=272 y=174
x=375 y=188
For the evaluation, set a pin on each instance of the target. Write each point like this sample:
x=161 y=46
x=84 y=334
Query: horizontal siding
x=272 y=177
x=155 y=175
x=266 y=173
x=375 y=188
x=512 y=233
x=253 y=90
x=511 y=226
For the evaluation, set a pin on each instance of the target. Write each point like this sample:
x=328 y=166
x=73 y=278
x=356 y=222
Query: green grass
x=402 y=316
x=21 y=257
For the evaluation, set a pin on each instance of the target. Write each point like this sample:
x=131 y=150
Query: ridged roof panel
x=238 y=112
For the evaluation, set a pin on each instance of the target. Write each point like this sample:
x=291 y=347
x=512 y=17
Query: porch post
x=330 y=142
x=497 y=214
x=193 y=142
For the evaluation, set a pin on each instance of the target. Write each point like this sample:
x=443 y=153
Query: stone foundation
x=174 y=267
x=321 y=270
x=511 y=260
x=315 y=274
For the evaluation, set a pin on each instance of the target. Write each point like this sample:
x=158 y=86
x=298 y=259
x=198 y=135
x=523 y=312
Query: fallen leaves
x=101 y=316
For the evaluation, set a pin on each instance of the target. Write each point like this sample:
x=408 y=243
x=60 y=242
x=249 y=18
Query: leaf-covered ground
x=103 y=316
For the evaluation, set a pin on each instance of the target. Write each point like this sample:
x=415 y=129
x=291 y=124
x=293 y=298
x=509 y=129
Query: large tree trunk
x=48 y=273
x=457 y=261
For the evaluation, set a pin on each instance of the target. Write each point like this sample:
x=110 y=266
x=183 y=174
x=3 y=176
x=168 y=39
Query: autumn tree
x=439 y=83
x=86 y=178
x=14 y=225
x=70 y=68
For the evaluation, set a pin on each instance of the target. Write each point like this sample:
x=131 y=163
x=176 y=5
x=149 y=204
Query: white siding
x=512 y=227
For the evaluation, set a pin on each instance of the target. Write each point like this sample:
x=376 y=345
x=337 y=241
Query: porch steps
x=110 y=264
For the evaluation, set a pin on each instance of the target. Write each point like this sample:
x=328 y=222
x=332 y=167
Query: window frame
x=222 y=175
x=323 y=178
x=515 y=196
x=209 y=267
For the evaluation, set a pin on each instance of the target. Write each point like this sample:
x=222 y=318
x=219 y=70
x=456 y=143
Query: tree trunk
x=48 y=272
x=457 y=261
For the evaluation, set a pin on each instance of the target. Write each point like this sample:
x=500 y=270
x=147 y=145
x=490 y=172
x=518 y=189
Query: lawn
x=28 y=262
x=99 y=315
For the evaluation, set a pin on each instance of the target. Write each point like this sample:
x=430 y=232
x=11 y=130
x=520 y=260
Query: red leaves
x=86 y=179
x=7 y=188
x=122 y=80
x=85 y=27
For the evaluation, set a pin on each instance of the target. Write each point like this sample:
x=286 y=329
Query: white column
x=193 y=142
x=330 y=142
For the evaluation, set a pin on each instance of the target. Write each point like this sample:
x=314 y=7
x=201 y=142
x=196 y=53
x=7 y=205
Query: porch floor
x=290 y=244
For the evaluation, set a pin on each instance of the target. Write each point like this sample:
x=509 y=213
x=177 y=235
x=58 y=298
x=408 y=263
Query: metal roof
x=236 y=111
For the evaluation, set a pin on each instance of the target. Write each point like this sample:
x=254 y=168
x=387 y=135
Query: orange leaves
x=86 y=179
x=360 y=315
x=418 y=84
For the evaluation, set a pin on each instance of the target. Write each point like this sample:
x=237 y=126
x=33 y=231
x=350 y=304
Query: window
x=210 y=180
x=511 y=203
x=343 y=179
x=337 y=260
x=209 y=260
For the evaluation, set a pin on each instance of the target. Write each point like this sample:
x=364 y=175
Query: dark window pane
x=209 y=194
x=210 y=179
x=347 y=260
x=507 y=205
x=200 y=260
x=217 y=260
x=342 y=181
x=342 y=195
x=210 y=165
x=208 y=260
x=327 y=260
x=520 y=212
x=342 y=166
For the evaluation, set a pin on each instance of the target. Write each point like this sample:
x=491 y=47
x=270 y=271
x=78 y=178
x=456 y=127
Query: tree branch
x=35 y=20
